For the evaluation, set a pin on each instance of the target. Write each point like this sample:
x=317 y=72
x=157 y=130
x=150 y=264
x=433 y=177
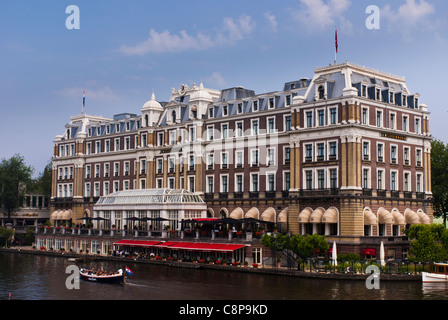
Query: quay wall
x=264 y=270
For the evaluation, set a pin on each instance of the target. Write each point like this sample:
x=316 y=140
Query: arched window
x=321 y=91
x=146 y=121
x=173 y=116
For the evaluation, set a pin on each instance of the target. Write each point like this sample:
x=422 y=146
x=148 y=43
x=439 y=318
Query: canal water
x=38 y=277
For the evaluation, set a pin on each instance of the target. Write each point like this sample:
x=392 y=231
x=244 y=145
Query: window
x=365 y=116
x=320 y=151
x=309 y=119
x=127 y=143
x=210 y=130
x=116 y=169
x=192 y=133
x=321 y=179
x=239 y=183
x=287 y=155
x=239 y=108
x=142 y=166
x=333 y=150
x=159 y=165
x=171 y=164
x=191 y=164
x=308 y=152
x=406 y=155
x=254 y=158
x=117 y=144
x=225 y=110
x=379 y=118
x=254 y=127
x=392 y=123
x=239 y=129
x=287 y=181
x=106 y=188
x=406 y=182
x=321 y=92
x=288 y=100
x=106 y=170
x=210 y=161
x=288 y=123
x=224 y=160
x=378 y=94
x=393 y=154
x=224 y=131
x=210 y=112
x=271 y=157
x=89 y=148
x=308 y=180
x=224 y=183
x=333 y=179
x=97 y=171
x=418 y=157
x=405 y=124
x=391 y=97
x=271 y=103
x=144 y=140
x=364 y=90
x=97 y=147
x=271 y=125
x=419 y=183
x=393 y=180
x=172 y=137
x=255 y=106
x=380 y=180
x=271 y=182
x=417 y=125
x=88 y=172
x=239 y=159
x=333 y=116
x=380 y=157
x=366 y=178
x=321 y=117
x=173 y=116
x=210 y=188
x=366 y=150
x=254 y=178
x=87 y=190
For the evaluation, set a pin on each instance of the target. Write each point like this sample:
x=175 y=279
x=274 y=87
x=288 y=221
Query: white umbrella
x=334 y=255
x=383 y=263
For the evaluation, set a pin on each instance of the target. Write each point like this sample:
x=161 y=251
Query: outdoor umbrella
x=383 y=263
x=334 y=255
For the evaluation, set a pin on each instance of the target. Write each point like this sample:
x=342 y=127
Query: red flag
x=336 y=39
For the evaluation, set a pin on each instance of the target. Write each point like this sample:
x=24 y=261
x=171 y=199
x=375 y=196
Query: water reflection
x=33 y=277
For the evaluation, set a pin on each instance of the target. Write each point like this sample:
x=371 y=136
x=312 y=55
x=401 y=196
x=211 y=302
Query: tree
x=15 y=178
x=439 y=178
x=429 y=242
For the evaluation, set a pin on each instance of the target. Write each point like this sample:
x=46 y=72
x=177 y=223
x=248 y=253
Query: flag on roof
x=336 y=39
x=83 y=98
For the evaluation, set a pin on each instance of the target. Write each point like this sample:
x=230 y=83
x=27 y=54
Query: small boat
x=438 y=273
x=104 y=277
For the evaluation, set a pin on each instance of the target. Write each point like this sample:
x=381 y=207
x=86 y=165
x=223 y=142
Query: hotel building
x=345 y=154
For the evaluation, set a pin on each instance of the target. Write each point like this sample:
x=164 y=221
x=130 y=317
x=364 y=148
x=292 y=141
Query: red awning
x=230 y=247
x=135 y=243
x=166 y=244
x=181 y=245
x=369 y=252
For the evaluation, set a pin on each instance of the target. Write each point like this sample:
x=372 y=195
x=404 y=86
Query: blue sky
x=126 y=49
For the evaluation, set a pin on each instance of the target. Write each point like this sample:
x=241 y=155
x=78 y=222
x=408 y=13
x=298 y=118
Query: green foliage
x=439 y=177
x=5 y=236
x=15 y=179
x=428 y=242
x=303 y=246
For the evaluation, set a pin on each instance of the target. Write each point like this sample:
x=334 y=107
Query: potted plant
x=255 y=265
x=224 y=262
x=235 y=263
x=246 y=264
x=278 y=262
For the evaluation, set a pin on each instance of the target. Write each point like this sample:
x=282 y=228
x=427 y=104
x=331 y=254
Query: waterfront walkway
x=265 y=269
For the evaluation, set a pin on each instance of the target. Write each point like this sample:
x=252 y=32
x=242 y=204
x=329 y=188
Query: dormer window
x=225 y=110
x=271 y=103
x=173 y=116
x=404 y=101
x=391 y=98
x=210 y=112
x=364 y=90
x=321 y=92
x=378 y=94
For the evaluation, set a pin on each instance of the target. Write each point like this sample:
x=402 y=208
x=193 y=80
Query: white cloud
x=161 y=42
x=215 y=80
x=318 y=15
x=272 y=21
x=409 y=16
